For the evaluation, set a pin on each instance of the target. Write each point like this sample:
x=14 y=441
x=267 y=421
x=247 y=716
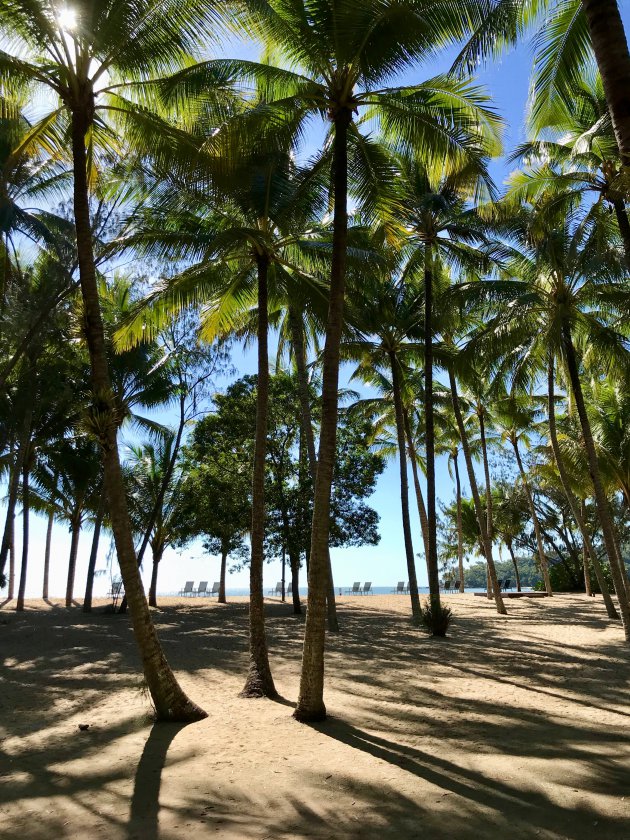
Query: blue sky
x=507 y=82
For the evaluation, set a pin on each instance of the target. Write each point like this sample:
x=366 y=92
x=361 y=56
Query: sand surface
x=514 y=727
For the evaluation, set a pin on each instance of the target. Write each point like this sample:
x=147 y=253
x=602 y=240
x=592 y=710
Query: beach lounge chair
x=203 y=588
x=367 y=589
x=400 y=588
x=406 y=589
x=290 y=589
x=189 y=588
x=215 y=588
x=277 y=590
x=356 y=588
x=115 y=591
x=507 y=584
x=456 y=586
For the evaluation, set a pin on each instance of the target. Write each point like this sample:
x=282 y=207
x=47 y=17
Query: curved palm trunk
x=310 y=705
x=96 y=536
x=157 y=556
x=573 y=504
x=515 y=564
x=613 y=59
x=259 y=682
x=11 y=590
x=422 y=511
x=49 y=529
x=532 y=509
x=624 y=226
x=460 y=537
x=620 y=577
x=429 y=425
x=306 y=421
x=72 y=562
x=170 y=702
x=25 y=523
x=486 y=545
x=404 y=489
x=224 y=556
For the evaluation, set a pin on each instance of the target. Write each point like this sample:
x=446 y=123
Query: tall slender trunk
x=532 y=509
x=613 y=59
x=404 y=489
x=429 y=426
x=585 y=558
x=170 y=702
x=259 y=682
x=224 y=556
x=25 y=523
x=157 y=552
x=573 y=503
x=96 y=536
x=49 y=528
x=75 y=532
x=14 y=483
x=310 y=705
x=413 y=458
x=472 y=480
x=460 y=529
x=620 y=578
x=624 y=226
x=489 y=522
x=306 y=421
x=515 y=564
x=11 y=591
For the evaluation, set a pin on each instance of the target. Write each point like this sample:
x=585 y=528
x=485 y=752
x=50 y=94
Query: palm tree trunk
x=460 y=536
x=493 y=580
x=14 y=484
x=294 y=561
x=310 y=705
x=573 y=504
x=613 y=59
x=259 y=682
x=170 y=702
x=585 y=557
x=75 y=532
x=404 y=490
x=515 y=564
x=25 y=523
x=429 y=426
x=157 y=556
x=620 y=578
x=49 y=528
x=624 y=226
x=224 y=556
x=306 y=421
x=11 y=590
x=532 y=509
x=422 y=511
x=96 y=536
x=472 y=480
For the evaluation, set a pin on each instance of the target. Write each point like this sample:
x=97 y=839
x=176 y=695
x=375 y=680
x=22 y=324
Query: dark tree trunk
x=611 y=52
x=515 y=564
x=75 y=532
x=11 y=591
x=486 y=544
x=14 y=484
x=259 y=682
x=294 y=560
x=25 y=523
x=624 y=226
x=96 y=536
x=585 y=559
x=620 y=577
x=157 y=556
x=489 y=512
x=49 y=528
x=404 y=489
x=460 y=536
x=532 y=509
x=170 y=702
x=573 y=503
x=306 y=422
x=429 y=425
x=310 y=705
x=422 y=511
x=224 y=556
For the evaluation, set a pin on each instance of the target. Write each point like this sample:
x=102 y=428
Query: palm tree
x=77 y=57
x=571 y=287
x=382 y=317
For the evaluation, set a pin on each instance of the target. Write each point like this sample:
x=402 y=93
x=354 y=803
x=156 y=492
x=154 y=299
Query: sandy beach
x=514 y=727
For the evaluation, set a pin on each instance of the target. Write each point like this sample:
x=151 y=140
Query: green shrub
x=435 y=620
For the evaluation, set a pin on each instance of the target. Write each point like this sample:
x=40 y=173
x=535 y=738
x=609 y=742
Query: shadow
x=145 y=800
